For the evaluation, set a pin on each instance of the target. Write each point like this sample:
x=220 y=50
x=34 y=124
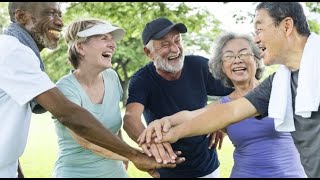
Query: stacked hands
x=156 y=138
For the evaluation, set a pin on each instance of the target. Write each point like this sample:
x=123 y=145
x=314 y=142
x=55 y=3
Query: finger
x=146 y=150
x=211 y=143
x=163 y=154
x=213 y=136
x=158 y=130
x=166 y=126
x=149 y=134
x=178 y=153
x=220 y=142
x=170 y=152
x=180 y=160
x=142 y=138
x=154 y=173
x=155 y=153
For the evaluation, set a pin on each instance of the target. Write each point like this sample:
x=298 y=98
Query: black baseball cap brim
x=179 y=27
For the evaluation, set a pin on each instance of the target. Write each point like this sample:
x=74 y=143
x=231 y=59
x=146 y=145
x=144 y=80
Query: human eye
x=164 y=45
x=228 y=57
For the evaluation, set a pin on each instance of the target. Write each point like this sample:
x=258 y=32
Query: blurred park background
x=204 y=21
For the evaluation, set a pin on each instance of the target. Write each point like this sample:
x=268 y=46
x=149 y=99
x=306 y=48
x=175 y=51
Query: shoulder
x=66 y=81
x=110 y=73
x=11 y=46
x=196 y=60
x=144 y=71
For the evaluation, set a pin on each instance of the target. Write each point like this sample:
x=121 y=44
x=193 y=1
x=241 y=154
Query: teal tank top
x=75 y=161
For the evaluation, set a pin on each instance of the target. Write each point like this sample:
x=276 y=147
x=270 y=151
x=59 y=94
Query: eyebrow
x=238 y=51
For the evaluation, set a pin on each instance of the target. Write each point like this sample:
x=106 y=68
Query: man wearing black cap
x=172 y=82
x=35 y=26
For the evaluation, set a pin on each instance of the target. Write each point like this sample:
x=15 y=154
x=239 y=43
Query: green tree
x=132 y=16
x=4 y=18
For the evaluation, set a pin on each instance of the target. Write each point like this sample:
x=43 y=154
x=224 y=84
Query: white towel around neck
x=308 y=90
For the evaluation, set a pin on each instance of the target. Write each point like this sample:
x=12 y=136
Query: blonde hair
x=72 y=39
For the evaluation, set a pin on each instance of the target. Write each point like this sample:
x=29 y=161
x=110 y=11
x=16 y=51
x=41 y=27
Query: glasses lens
x=228 y=58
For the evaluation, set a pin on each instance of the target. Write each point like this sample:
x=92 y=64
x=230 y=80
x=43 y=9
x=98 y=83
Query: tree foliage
x=132 y=16
x=3 y=15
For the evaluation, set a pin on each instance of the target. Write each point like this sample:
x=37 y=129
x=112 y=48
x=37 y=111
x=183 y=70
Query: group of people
x=170 y=92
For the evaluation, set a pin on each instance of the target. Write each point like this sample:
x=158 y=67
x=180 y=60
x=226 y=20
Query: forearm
x=96 y=149
x=83 y=123
x=183 y=116
x=133 y=127
x=215 y=117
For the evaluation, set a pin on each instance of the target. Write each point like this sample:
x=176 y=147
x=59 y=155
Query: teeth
x=173 y=57
x=55 y=33
x=239 y=69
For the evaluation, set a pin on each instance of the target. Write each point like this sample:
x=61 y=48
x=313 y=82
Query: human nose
x=174 y=47
x=112 y=44
x=237 y=58
x=58 y=20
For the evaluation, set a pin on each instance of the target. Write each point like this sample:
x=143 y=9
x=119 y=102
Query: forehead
x=41 y=6
x=261 y=17
x=236 y=45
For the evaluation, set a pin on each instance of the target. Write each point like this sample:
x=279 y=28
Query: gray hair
x=215 y=62
x=149 y=45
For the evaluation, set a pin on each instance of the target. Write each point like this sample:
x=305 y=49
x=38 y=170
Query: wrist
x=133 y=155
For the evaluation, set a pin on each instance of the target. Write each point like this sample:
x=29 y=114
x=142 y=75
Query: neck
x=295 y=52
x=87 y=78
x=241 y=89
x=168 y=75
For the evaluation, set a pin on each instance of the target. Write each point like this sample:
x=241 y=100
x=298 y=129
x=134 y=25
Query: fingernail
x=164 y=162
x=159 y=160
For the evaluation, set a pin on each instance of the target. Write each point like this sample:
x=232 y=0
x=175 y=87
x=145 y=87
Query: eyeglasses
x=229 y=58
x=258 y=31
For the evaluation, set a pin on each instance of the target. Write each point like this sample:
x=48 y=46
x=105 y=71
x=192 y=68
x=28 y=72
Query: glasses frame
x=244 y=55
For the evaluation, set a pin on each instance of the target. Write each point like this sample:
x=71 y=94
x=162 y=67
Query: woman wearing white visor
x=93 y=85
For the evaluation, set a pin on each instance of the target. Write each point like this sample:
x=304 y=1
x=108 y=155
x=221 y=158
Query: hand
x=162 y=152
x=156 y=127
x=148 y=164
x=171 y=136
x=216 y=138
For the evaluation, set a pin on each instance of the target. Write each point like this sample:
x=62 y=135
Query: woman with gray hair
x=260 y=151
x=95 y=86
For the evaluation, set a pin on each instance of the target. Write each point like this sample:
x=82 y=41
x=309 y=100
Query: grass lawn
x=40 y=154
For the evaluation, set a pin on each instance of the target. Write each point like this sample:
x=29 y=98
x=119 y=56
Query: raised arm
x=134 y=127
x=85 y=125
x=96 y=149
x=210 y=119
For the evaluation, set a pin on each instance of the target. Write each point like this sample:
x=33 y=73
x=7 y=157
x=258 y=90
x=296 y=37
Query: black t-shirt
x=161 y=98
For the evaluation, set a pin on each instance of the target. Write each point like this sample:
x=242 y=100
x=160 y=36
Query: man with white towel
x=291 y=95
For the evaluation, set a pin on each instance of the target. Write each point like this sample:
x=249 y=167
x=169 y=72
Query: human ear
x=22 y=17
x=148 y=53
x=79 y=49
x=288 y=25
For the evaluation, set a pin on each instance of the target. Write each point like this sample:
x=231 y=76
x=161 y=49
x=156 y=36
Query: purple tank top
x=261 y=151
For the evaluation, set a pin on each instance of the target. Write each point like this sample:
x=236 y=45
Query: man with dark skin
x=35 y=26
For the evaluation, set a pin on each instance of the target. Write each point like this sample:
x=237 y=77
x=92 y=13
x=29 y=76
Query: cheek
x=225 y=68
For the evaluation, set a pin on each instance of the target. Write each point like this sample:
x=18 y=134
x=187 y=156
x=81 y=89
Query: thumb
x=166 y=126
x=154 y=173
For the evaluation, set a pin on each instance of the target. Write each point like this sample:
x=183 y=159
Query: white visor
x=117 y=33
